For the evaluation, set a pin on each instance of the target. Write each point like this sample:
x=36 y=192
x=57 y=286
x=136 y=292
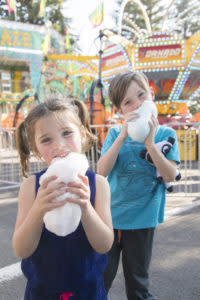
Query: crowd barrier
x=188 y=135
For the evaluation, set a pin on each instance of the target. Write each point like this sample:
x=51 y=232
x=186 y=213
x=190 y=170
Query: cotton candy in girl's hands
x=139 y=129
x=64 y=220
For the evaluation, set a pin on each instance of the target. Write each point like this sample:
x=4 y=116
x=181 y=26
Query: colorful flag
x=67 y=39
x=42 y=8
x=11 y=5
x=96 y=17
x=46 y=45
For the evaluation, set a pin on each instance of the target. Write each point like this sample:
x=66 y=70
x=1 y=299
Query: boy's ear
x=120 y=111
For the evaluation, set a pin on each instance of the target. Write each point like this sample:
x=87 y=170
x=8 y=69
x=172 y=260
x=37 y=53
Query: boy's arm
x=107 y=161
x=167 y=168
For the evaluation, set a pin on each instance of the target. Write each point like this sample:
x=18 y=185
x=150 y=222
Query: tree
x=133 y=12
x=27 y=12
x=182 y=18
x=184 y=15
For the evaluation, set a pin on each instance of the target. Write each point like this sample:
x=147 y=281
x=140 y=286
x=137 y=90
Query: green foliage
x=186 y=13
x=183 y=16
x=134 y=13
x=27 y=12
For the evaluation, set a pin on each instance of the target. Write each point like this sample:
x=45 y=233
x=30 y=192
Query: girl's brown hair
x=121 y=82
x=25 y=134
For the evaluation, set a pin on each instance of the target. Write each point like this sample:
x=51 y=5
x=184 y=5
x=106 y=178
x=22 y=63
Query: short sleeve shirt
x=137 y=199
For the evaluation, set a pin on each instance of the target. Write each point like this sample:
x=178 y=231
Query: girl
x=61 y=267
x=137 y=199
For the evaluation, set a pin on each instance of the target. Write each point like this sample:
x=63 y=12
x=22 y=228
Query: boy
x=137 y=199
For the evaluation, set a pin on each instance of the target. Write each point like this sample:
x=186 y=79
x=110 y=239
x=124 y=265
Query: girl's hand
x=129 y=117
x=47 y=192
x=82 y=190
x=153 y=123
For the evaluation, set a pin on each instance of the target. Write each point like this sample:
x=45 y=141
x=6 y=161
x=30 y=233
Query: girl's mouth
x=61 y=155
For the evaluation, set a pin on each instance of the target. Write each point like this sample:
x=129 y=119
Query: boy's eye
x=141 y=94
x=45 y=140
x=127 y=102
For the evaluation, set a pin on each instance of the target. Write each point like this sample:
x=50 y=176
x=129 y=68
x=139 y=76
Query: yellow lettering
x=5 y=38
x=16 y=35
x=26 y=39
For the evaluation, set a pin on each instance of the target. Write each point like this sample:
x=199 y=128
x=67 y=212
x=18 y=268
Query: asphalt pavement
x=174 y=270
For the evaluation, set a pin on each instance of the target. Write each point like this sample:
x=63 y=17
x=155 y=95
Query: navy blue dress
x=65 y=264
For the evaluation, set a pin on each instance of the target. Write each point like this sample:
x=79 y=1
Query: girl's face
x=134 y=98
x=53 y=139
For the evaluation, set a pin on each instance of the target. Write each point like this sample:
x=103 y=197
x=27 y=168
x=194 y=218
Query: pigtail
x=84 y=117
x=22 y=145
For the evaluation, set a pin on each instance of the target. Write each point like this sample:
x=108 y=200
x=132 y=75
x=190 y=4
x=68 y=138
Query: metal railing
x=188 y=135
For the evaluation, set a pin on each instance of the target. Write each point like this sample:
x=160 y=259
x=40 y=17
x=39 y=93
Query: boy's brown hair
x=121 y=82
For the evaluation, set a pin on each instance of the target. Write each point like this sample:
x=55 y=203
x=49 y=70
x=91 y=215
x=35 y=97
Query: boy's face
x=134 y=98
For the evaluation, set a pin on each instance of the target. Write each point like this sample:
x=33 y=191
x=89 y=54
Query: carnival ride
x=171 y=63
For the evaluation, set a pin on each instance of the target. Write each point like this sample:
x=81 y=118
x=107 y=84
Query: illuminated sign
x=114 y=60
x=160 y=52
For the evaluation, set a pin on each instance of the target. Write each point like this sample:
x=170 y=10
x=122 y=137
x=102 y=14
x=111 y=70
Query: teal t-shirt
x=137 y=199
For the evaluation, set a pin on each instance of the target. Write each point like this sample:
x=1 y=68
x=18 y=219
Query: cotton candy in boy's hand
x=139 y=129
x=65 y=219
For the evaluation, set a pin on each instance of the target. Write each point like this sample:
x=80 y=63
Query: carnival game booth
x=21 y=61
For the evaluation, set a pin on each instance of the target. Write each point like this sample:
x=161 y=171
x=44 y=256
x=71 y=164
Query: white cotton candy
x=139 y=129
x=64 y=220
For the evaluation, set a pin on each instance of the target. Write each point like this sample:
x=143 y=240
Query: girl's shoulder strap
x=92 y=182
x=37 y=179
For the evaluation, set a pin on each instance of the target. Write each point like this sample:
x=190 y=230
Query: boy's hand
x=129 y=117
x=153 y=123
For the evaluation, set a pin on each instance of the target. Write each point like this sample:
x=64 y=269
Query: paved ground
x=174 y=270
x=175 y=265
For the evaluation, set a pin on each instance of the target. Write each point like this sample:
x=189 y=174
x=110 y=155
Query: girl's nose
x=58 y=144
x=137 y=105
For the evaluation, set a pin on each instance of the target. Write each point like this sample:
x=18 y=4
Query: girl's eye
x=45 y=140
x=66 y=132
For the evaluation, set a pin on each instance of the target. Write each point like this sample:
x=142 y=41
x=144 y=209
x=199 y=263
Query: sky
x=79 y=11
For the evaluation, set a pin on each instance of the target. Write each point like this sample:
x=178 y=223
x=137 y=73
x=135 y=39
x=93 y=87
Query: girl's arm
x=107 y=161
x=165 y=167
x=30 y=214
x=96 y=221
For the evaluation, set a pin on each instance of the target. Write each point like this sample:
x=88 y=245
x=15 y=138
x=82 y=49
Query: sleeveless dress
x=62 y=265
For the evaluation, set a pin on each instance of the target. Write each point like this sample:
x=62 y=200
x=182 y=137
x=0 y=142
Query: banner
x=67 y=39
x=11 y=6
x=42 y=8
x=46 y=45
x=96 y=17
